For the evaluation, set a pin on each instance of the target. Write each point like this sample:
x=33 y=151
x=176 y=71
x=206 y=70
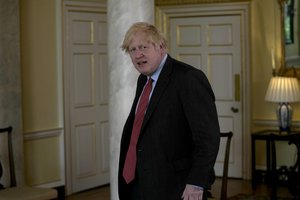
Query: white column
x=122 y=75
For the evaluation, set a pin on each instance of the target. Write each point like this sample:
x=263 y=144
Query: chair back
x=10 y=191
x=12 y=176
x=227 y=135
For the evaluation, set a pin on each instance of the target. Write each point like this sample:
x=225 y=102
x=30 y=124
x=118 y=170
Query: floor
x=235 y=186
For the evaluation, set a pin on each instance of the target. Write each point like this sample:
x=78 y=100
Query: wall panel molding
x=41 y=148
x=272 y=123
x=182 y=2
x=35 y=135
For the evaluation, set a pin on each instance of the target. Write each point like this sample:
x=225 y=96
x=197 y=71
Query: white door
x=213 y=44
x=86 y=98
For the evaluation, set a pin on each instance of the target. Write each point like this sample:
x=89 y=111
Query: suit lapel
x=159 y=89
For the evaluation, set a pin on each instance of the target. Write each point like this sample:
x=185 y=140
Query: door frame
x=163 y=16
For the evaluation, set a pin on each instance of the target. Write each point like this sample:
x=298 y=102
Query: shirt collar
x=156 y=74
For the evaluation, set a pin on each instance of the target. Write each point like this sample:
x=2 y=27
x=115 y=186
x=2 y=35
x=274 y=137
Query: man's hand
x=192 y=192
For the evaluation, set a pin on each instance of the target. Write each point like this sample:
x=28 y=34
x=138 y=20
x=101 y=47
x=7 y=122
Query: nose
x=138 y=53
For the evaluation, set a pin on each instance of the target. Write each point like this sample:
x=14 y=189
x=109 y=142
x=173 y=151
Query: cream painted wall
x=42 y=84
x=39 y=65
x=41 y=61
x=265 y=31
x=265 y=35
x=42 y=164
x=42 y=90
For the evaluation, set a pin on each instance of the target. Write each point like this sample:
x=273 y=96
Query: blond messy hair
x=153 y=35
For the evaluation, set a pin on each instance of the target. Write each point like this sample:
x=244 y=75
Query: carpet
x=255 y=197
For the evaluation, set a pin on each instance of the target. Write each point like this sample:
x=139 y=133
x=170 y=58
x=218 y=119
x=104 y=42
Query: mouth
x=141 y=63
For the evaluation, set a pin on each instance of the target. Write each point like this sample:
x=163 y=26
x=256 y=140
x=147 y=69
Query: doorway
x=86 y=95
x=214 y=38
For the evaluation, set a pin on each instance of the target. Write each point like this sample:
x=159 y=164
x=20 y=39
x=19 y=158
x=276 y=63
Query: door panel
x=213 y=44
x=86 y=98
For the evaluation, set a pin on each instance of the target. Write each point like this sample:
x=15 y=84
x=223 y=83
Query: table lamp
x=283 y=90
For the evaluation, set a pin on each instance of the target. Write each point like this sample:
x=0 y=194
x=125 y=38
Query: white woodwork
x=86 y=96
x=213 y=43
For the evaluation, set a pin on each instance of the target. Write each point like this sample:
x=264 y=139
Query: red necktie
x=130 y=161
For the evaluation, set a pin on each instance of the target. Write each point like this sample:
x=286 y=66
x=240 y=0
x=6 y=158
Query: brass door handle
x=237 y=89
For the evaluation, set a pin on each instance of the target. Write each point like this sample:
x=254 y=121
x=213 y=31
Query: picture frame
x=289 y=12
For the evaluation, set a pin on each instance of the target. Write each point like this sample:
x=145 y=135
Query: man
x=170 y=140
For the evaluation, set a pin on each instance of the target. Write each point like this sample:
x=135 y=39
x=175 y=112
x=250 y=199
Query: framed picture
x=289 y=12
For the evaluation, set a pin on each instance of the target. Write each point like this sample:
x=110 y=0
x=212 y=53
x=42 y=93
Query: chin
x=146 y=73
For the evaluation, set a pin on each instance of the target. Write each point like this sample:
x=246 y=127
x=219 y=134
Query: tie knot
x=148 y=85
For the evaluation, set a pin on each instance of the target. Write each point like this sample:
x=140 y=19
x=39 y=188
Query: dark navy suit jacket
x=179 y=138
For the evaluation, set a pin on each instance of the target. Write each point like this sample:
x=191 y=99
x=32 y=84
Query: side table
x=270 y=137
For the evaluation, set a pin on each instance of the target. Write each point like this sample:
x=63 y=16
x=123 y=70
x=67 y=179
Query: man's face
x=144 y=55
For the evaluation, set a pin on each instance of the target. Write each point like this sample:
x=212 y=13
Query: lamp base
x=284 y=116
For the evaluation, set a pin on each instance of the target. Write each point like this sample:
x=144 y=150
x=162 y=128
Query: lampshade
x=283 y=89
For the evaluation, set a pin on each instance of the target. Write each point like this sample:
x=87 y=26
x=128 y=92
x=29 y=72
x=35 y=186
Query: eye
x=144 y=48
x=132 y=50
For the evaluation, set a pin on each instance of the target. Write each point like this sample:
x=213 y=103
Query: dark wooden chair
x=12 y=191
x=223 y=195
x=228 y=135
